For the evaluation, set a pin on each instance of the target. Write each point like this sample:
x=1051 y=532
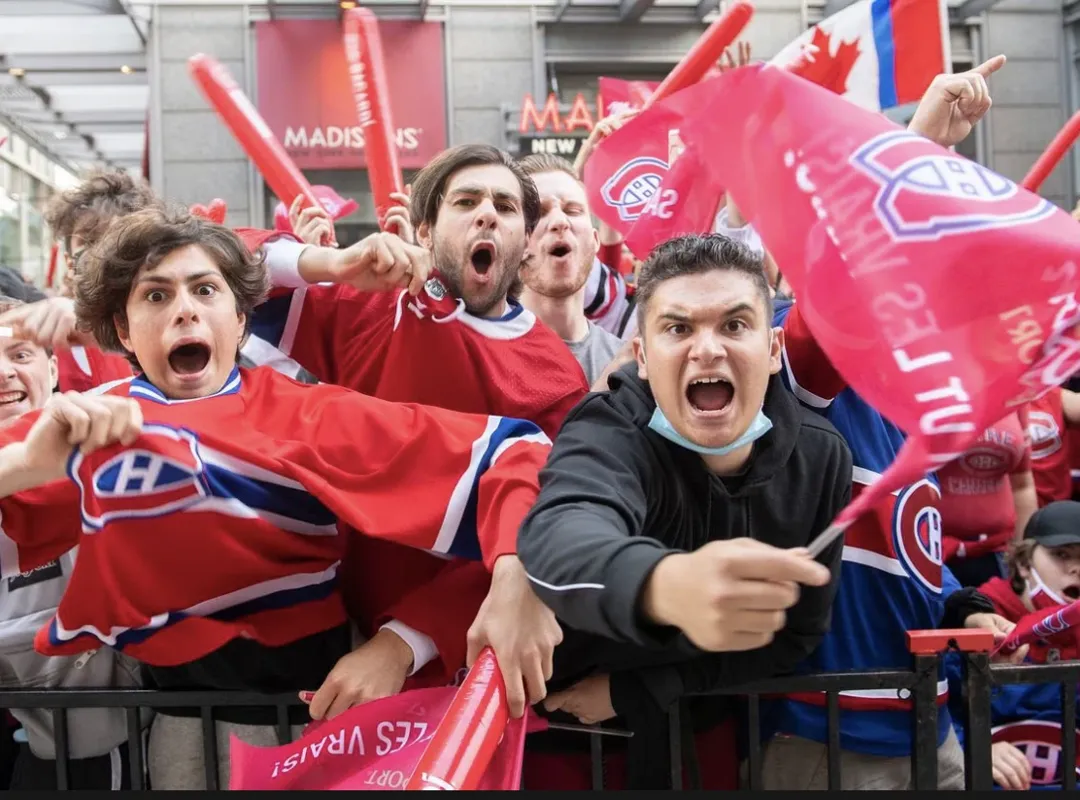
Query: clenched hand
x=730 y=595
x=521 y=630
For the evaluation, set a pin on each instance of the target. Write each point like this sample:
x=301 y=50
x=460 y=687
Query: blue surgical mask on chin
x=759 y=426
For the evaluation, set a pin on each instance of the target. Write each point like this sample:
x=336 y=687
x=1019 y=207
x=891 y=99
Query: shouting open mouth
x=482 y=257
x=710 y=395
x=189 y=357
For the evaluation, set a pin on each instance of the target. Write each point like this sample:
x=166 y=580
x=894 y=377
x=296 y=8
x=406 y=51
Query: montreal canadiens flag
x=903 y=256
x=876 y=53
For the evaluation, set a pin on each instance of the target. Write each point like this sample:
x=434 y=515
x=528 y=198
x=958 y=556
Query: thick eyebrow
x=680 y=315
x=477 y=189
x=740 y=308
x=163 y=281
x=674 y=316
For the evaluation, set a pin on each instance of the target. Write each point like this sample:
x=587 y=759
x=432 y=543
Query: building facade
x=497 y=57
x=28 y=178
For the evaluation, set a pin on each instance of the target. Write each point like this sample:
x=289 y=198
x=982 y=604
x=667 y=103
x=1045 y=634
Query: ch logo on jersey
x=984 y=460
x=1040 y=742
x=926 y=194
x=633 y=185
x=1044 y=433
x=160 y=473
x=917 y=533
x=435 y=288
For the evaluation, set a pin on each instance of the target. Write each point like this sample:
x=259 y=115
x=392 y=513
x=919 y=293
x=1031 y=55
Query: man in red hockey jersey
x=244 y=474
x=432 y=323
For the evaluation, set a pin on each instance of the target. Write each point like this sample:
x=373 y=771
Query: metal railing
x=927 y=648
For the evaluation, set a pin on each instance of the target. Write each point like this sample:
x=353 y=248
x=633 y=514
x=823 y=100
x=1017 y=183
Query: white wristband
x=746 y=234
x=422 y=646
x=283 y=263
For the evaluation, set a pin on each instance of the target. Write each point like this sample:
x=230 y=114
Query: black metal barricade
x=920 y=681
x=980 y=679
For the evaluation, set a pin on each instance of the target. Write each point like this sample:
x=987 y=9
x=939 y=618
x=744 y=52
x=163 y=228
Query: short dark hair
x=547 y=162
x=429 y=185
x=87 y=209
x=694 y=254
x=108 y=270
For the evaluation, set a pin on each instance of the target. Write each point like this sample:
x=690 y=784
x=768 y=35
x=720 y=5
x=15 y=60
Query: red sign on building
x=305 y=96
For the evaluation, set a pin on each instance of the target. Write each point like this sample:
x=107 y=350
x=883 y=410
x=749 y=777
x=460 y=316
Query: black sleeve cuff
x=962 y=604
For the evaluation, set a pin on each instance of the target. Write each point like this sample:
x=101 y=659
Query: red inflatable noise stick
x=336 y=206
x=215 y=212
x=465 y=741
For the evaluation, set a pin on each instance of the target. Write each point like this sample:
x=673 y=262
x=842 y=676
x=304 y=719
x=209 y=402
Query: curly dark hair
x=429 y=185
x=87 y=209
x=142 y=239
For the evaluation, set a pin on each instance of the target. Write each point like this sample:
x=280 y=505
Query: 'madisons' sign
x=306 y=98
x=549 y=120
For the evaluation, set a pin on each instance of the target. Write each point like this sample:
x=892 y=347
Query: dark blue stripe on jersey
x=515 y=311
x=281 y=599
x=284 y=501
x=466 y=542
x=269 y=318
x=140 y=386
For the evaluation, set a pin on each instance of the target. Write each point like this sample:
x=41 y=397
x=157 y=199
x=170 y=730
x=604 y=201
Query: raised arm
x=437 y=480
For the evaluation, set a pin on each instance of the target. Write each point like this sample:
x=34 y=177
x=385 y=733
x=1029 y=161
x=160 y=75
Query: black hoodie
x=615 y=498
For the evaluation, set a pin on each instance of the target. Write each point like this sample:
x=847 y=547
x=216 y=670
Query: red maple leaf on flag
x=823 y=67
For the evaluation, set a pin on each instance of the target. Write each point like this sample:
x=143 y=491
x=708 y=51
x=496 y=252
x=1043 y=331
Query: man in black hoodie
x=675 y=508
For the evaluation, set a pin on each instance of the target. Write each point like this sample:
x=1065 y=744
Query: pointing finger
x=990 y=66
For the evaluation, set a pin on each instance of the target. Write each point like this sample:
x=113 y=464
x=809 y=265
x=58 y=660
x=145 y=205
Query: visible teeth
x=709 y=380
x=12 y=397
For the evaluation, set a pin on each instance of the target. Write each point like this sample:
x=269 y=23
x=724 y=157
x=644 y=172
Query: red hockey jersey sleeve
x=810 y=373
x=382 y=581
x=81 y=369
x=443 y=609
x=39 y=525
x=437 y=480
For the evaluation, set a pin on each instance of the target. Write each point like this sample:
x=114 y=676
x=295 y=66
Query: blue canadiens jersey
x=892 y=579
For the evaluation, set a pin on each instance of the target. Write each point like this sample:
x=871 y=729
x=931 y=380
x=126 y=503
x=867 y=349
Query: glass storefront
x=27 y=181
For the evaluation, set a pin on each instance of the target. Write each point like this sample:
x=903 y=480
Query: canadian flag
x=878 y=54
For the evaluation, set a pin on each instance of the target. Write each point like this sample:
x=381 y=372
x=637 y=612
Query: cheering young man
x=244 y=476
x=561 y=254
x=674 y=504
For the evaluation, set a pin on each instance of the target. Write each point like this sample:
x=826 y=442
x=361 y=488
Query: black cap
x=1055 y=525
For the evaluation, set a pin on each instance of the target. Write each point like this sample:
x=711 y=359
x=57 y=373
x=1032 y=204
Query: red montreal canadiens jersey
x=977 y=508
x=81 y=369
x=1049 y=450
x=221 y=520
x=892 y=579
x=424 y=349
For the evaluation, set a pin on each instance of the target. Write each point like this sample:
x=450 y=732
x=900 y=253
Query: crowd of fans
x=489 y=428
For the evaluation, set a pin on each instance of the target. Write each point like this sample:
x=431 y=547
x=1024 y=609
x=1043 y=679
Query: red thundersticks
x=363 y=51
